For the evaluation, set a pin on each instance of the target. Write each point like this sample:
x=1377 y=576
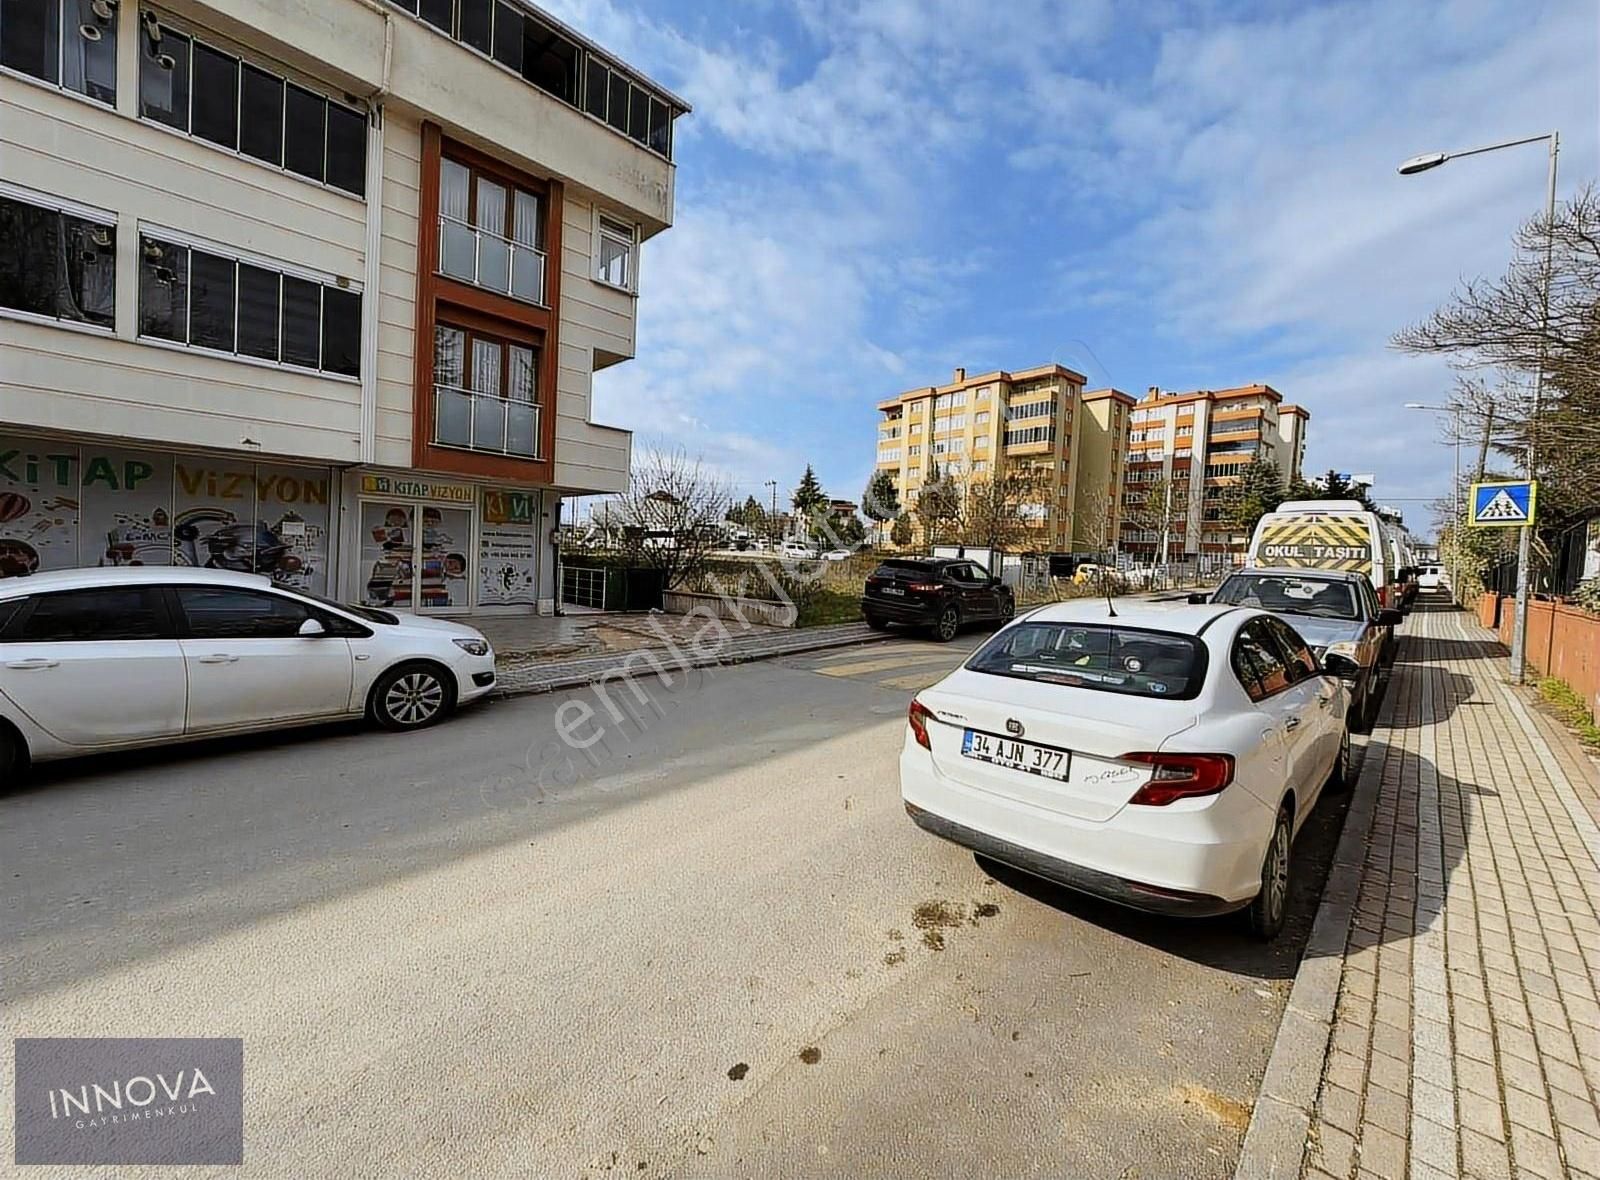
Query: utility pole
x=772 y=521
x=1483 y=445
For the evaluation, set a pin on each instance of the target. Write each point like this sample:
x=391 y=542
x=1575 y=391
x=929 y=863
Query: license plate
x=1015 y=755
x=895 y=590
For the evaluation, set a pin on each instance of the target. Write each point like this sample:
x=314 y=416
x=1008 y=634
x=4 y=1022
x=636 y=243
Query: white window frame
x=606 y=227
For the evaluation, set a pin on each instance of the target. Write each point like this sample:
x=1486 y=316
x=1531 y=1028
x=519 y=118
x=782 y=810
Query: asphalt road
x=710 y=946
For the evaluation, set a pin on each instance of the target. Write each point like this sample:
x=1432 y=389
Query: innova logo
x=129 y=1100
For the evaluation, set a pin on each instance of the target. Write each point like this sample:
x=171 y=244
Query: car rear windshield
x=900 y=568
x=1291 y=595
x=1108 y=658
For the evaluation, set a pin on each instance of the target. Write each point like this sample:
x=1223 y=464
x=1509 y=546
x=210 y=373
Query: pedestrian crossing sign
x=1503 y=505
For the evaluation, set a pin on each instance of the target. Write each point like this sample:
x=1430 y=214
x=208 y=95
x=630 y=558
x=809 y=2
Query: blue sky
x=1157 y=193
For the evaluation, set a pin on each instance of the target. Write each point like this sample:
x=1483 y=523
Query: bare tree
x=671 y=516
x=1004 y=510
x=1504 y=325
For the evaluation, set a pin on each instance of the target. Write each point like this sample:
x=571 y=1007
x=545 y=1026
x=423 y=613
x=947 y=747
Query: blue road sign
x=1503 y=505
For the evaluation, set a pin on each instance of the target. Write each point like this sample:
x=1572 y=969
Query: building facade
x=975 y=429
x=316 y=288
x=1184 y=449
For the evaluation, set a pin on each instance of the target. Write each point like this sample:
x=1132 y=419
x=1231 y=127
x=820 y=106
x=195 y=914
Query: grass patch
x=1572 y=709
x=825 y=605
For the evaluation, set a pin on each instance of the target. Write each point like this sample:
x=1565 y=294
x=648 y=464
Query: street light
x=1423 y=163
x=1455 y=486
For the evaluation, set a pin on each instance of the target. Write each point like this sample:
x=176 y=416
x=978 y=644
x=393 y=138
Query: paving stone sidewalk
x=740 y=647
x=1445 y=1021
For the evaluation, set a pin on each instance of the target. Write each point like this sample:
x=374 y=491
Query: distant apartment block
x=976 y=428
x=1183 y=449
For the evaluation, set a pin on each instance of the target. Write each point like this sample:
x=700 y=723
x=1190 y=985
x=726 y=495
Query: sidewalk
x=1445 y=1019
x=757 y=643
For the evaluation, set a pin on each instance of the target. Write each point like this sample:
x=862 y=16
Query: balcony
x=485 y=422
x=485 y=259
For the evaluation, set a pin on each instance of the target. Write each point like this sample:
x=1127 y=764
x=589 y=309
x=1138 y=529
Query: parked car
x=1332 y=535
x=836 y=555
x=1162 y=757
x=107 y=659
x=940 y=593
x=1433 y=577
x=1335 y=612
x=797 y=549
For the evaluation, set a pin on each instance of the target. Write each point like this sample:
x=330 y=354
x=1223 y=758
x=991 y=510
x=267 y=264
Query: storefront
x=70 y=504
x=443 y=547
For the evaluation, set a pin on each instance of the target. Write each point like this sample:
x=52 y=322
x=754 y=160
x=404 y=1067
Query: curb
x=590 y=674
x=1275 y=1143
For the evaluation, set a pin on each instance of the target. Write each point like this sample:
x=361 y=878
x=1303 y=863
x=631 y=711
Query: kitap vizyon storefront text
x=417 y=544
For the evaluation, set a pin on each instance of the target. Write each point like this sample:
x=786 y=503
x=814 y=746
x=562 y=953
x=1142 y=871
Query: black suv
x=940 y=593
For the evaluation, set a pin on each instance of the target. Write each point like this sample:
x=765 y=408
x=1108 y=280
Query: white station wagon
x=1161 y=758
x=106 y=659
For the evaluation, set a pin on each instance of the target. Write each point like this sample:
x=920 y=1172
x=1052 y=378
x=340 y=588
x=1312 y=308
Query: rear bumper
x=913 y=610
x=1194 y=857
x=1133 y=894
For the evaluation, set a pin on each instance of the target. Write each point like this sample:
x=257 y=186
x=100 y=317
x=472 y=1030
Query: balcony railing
x=485 y=259
x=485 y=422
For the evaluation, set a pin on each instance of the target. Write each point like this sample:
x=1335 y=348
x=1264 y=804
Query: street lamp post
x=772 y=521
x=1519 y=629
x=1455 y=496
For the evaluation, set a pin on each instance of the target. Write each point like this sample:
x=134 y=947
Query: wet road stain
x=984 y=909
x=1231 y=1114
x=933 y=940
x=895 y=957
x=938 y=915
x=736 y=1073
x=810 y=1055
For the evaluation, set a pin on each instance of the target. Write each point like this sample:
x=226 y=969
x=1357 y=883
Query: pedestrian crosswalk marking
x=885 y=663
x=1502 y=507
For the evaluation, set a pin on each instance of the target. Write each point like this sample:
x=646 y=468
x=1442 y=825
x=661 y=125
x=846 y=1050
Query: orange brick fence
x=1563 y=641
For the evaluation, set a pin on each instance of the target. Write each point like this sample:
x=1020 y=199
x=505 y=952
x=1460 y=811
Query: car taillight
x=923 y=587
x=918 y=716
x=1181 y=776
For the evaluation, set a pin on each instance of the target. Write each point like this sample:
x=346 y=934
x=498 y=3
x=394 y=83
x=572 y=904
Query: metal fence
x=583 y=586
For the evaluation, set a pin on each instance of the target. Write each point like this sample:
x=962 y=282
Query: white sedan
x=106 y=659
x=1163 y=758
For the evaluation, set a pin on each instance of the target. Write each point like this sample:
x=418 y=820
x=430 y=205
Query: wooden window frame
x=442 y=299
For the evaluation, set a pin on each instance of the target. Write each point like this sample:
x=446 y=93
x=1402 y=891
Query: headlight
x=1345 y=647
x=473 y=647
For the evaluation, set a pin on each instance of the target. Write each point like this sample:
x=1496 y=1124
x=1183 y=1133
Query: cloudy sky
x=1200 y=194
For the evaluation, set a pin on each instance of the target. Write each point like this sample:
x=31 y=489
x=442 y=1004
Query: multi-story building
x=975 y=429
x=316 y=287
x=1185 y=448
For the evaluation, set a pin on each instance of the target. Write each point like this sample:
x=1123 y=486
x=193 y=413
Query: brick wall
x=1563 y=641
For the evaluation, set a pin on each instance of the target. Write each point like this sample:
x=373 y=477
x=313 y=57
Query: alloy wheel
x=414 y=698
x=1277 y=883
x=948 y=623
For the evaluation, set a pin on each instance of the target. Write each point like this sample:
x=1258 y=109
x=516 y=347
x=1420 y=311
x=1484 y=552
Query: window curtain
x=454 y=184
x=449 y=354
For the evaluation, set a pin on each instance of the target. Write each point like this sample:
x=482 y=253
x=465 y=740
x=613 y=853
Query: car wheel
x=877 y=622
x=1339 y=778
x=1008 y=609
x=13 y=759
x=947 y=624
x=412 y=696
x=1267 y=910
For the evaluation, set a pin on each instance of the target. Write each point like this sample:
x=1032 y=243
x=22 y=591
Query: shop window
x=68 y=43
x=57 y=264
x=193 y=87
x=209 y=300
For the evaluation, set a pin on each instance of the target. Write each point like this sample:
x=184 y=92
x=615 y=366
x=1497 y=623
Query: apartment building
x=1184 y=448
x=974 y=429
x=316 y=288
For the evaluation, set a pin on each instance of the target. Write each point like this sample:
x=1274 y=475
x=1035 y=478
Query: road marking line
x=912 y=682
x=883 y=665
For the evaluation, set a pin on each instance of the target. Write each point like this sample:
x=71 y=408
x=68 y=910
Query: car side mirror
x=1341 y=665
x=1198 y=599
x=994 y=583
x=311 y=628
x=1389 y=617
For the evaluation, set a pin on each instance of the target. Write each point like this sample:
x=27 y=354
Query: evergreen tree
x=901 y=533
